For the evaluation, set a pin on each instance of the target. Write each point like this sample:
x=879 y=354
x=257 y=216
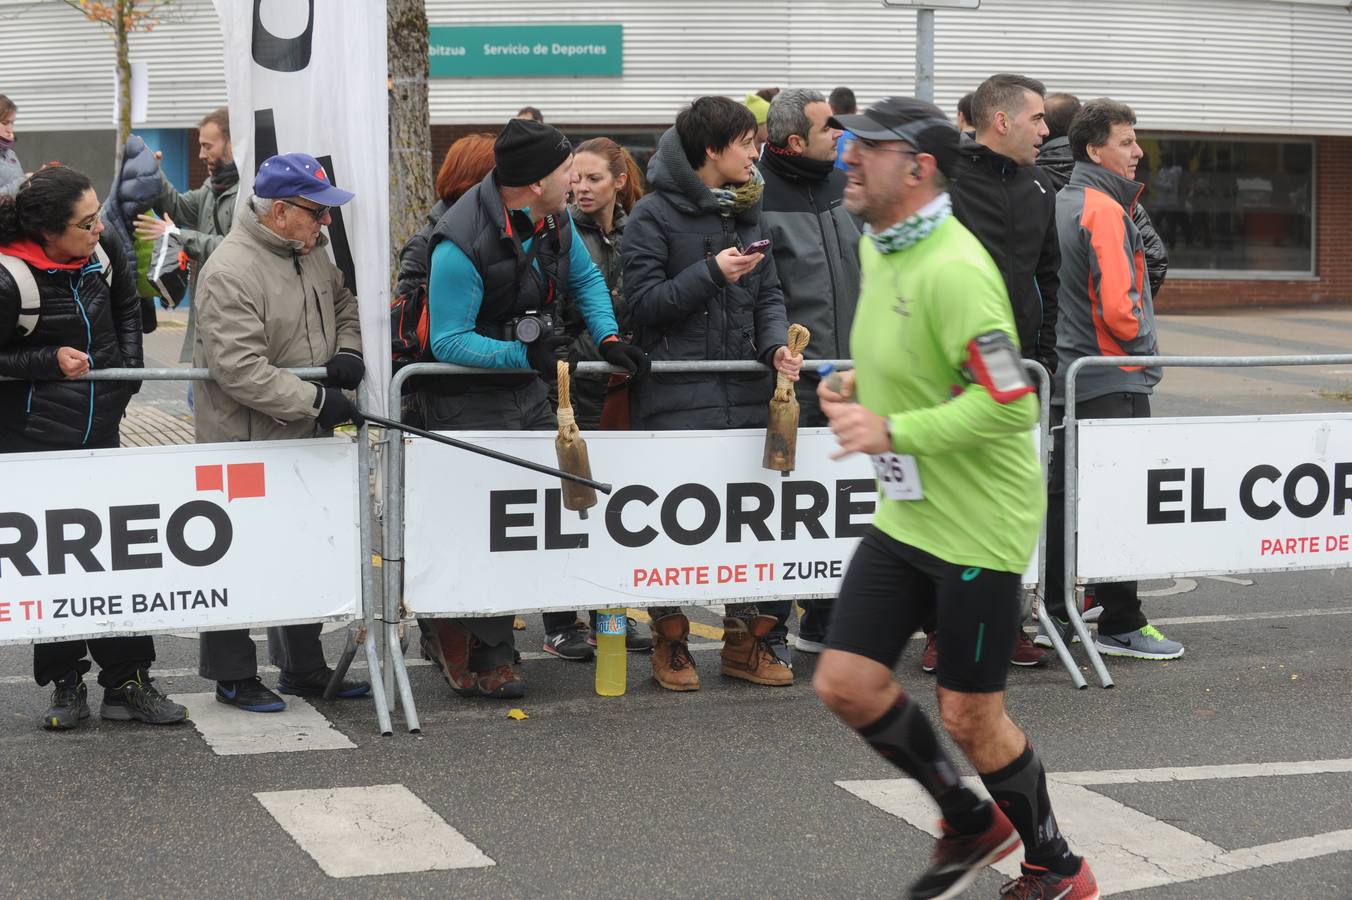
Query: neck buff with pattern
x=914 y=228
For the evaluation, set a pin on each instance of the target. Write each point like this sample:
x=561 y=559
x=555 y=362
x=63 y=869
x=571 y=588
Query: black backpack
x=408 y=326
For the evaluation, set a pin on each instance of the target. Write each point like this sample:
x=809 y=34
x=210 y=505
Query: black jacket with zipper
x=1012 y=211
x=683 y=308
x=80 y=310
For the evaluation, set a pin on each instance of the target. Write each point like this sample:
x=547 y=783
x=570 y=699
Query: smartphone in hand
x=757 y=247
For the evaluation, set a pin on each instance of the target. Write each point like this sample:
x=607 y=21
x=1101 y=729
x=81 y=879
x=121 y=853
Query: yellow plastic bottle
x=611 y=662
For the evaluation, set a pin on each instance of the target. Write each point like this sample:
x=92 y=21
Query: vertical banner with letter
x=309 y=76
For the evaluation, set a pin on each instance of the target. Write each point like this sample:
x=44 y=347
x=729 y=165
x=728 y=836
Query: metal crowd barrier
x=1072 y=463
x=361 y=632
x=395 y=672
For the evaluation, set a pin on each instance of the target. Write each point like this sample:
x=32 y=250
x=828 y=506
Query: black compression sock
x=904 y=737
x=1020 y=789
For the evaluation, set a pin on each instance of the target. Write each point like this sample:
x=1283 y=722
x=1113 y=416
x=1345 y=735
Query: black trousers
x=522 y=408
x=1120 y=600
x=119 y=658
x=232 y=655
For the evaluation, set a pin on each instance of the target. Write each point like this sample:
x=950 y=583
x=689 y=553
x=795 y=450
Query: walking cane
x=484 y=451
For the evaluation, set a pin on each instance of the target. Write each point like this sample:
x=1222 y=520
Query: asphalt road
x=735 y=790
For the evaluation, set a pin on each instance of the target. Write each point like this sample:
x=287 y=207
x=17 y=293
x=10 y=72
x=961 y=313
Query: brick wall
x=1333 y=251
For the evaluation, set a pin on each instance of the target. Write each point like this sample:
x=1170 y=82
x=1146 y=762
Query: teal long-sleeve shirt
x=455 y=290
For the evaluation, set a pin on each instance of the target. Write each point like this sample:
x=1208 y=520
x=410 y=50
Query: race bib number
x=898 y=476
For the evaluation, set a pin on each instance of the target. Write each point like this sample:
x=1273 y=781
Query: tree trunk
x=411 y=194
x=124 y=12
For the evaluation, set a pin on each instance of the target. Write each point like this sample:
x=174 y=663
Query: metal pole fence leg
x=368 y=579
x=344 y=662
x=394 y=561
x=1059 y=645
x=1072 y=525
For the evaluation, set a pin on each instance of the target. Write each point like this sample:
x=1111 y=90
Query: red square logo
x=210 y=478
x=246 y=480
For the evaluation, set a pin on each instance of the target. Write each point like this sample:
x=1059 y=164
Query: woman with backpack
x=68 y=305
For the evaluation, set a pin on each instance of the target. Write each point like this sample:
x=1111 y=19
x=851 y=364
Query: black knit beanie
x=527 y=151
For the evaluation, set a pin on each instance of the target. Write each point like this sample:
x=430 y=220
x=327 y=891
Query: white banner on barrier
x=693 y=519
x=1160 y=498
x=95 y=543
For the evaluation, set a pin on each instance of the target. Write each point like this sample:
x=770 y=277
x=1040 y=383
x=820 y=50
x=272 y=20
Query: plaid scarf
x=739 y=198
x=914 y=229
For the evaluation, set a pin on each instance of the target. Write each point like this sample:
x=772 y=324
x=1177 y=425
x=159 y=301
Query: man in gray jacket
x=815 y=243
x=203 y=216
x=266 y=302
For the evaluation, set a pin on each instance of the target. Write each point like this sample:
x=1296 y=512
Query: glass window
x=1231 y=205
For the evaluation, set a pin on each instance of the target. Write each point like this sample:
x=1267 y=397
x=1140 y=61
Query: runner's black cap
x=922 y=125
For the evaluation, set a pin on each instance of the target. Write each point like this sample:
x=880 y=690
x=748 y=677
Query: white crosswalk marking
x=378 y=830
x=1128 y=849
x=232 y=732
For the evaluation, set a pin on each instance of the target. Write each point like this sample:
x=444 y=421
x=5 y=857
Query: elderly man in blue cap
x=267 y=302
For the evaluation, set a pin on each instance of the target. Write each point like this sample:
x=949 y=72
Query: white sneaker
x=806 y=646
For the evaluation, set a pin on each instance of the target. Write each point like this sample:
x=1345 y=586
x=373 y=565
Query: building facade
x=1244 y=106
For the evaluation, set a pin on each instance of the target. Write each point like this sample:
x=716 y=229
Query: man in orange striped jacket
x=1105 y=310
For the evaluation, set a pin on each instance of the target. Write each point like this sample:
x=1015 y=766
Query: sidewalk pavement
x=160 y=415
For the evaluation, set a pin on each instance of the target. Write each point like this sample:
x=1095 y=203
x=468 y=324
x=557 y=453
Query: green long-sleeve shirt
x=919 y=309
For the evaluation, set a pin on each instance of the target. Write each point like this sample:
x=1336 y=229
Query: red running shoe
x=958 y=857
x=1037 y=883
x=929 y=660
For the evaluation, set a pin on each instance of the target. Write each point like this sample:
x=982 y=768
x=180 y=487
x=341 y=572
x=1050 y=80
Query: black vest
x=479 y=225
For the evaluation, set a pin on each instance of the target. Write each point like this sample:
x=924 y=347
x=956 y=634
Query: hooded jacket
x=262 y=307
x=1056 y=160
x=78 y=309
x=815 y=243
x=136 y=188
x=1106 y=308
x=413 y=255
x=684 y=309
x=1012 y=211
x=604 y=249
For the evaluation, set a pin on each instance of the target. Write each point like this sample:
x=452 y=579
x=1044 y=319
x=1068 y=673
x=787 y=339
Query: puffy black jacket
x=1012 y=210
x=1056 y=160
x=413 y=259
x=78 y=310
x=683 y=309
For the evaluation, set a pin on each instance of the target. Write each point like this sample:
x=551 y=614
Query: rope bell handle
x=567 y=421
x=798 y=338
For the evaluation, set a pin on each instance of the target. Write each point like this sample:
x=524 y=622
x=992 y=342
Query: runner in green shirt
x=945 y=410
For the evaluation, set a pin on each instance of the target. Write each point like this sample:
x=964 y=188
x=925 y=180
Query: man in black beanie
x=502 y=262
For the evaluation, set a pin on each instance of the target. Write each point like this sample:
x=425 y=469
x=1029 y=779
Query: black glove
x=545 y=354
x=628 y=357
x=335 y=409
x=345 y=370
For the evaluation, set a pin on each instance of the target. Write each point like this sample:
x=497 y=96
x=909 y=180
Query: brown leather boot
x=446 y=644
x=747 y=656
x=673 y=667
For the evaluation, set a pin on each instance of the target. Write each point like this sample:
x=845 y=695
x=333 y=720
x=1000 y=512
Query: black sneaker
x=570 y=643
x=635 y=641
x=70 y=704
x=249 y=694
x=315 y=683
x=138 y=698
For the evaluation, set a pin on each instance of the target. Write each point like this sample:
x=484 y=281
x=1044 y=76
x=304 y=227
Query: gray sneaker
x=1144 y=643
x=70 y=704
x=1068 y=635
x=138 y=698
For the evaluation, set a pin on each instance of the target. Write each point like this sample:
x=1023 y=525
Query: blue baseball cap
x=297 y=175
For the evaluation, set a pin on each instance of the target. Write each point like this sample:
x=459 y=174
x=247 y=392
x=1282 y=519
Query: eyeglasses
x=319 y=212
x=88 y=224
x=871 y=146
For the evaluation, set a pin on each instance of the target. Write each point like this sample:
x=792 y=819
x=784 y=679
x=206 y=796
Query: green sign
x=500 y=51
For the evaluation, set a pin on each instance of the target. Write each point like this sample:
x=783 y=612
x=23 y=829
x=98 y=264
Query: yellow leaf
x=516 y=714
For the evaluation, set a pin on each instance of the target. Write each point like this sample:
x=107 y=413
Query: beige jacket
x=262 y=307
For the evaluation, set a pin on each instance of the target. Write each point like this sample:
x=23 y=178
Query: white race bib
x=898 y=476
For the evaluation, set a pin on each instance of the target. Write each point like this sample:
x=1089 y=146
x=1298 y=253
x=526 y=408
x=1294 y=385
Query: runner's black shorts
x=891 y=588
